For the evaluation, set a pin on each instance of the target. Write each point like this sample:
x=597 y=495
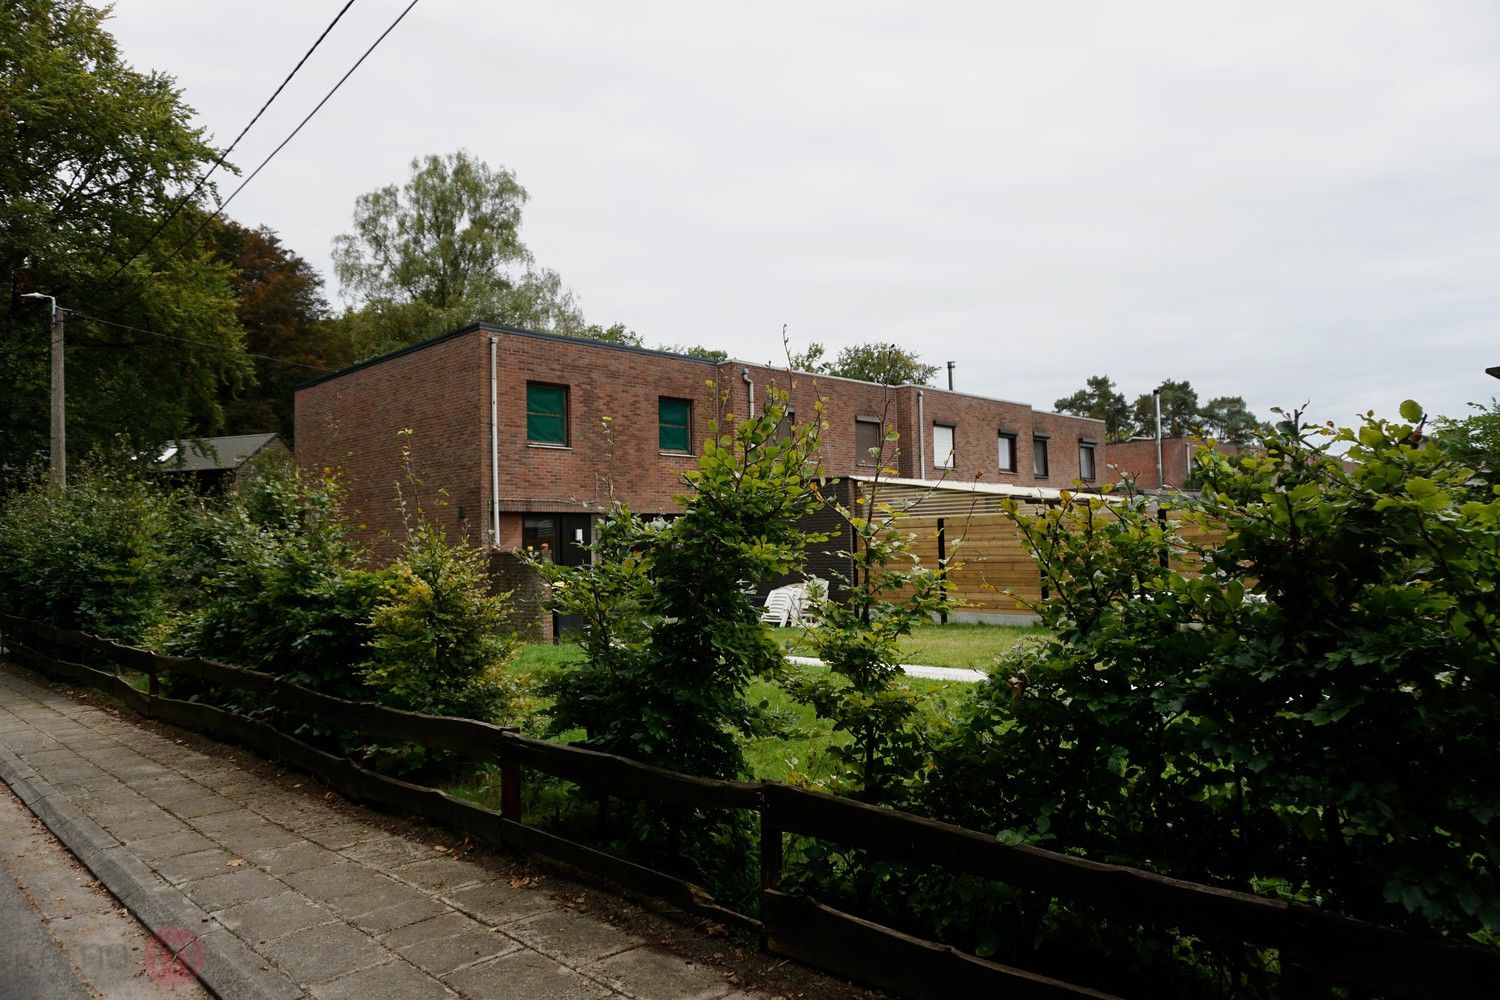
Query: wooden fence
x=993 y=570
x=1315 y=947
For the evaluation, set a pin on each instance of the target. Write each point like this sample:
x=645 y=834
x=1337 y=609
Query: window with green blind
x=675 y=424
x=546 y=413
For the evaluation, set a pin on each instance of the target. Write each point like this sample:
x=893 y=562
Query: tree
x=1473 y=440
x=94 y=157
x=1228 y=419
x=1179 y=411
x=444 y=250
x=1100 y=400
x=697 y=351
x=284 y=316
x=885 y=364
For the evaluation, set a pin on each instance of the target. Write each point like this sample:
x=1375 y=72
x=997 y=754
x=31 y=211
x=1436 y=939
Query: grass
x=968 y=646
x=793 y=744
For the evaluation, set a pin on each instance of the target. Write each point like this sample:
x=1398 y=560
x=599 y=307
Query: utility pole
x=1161 y=479
x=59 y=450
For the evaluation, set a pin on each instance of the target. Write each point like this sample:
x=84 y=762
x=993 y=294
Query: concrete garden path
x=913 y=670
x=268 y=889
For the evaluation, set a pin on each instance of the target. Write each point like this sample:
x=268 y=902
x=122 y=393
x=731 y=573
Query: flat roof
x=511 y=330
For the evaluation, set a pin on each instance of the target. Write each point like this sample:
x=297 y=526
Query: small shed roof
x=211 y=454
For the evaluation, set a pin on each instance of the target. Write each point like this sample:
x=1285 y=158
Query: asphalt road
x=32 y=966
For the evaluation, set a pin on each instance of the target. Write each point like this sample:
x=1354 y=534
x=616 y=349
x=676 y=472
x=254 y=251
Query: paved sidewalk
x=290 y=895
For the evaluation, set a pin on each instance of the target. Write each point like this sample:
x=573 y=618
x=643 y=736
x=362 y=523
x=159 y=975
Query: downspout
x=921 y=438
x=494 y=444
x=750 y=387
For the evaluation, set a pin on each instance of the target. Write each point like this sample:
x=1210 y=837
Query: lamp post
x=59 y=448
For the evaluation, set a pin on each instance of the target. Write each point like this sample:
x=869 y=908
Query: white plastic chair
x=778 y=610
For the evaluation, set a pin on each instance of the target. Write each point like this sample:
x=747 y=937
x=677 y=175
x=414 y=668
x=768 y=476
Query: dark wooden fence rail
x=1315 y=947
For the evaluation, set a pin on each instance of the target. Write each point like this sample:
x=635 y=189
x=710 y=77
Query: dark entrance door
x=565 y=538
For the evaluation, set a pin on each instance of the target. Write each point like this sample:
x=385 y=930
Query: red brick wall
x=351 y=425
x=624 y=461
x=1137 y=459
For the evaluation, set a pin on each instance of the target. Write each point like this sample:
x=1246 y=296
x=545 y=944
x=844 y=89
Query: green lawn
x=974 y=647
x=793 y=744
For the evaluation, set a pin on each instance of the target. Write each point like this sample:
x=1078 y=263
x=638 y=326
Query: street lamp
x=1495 y=371
x=59 y=454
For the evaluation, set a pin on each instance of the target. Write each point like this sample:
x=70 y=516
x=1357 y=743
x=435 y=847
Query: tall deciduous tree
x=285 y=317
x=93 y=156
x=1100 y=400
x=886 y=364
x=444 y=249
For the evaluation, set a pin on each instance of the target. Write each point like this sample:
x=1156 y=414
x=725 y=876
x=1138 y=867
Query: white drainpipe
x=750 y=386
x=494 y=444
x=921 y=437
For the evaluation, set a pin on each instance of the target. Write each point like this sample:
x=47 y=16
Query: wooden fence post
x=510 y=787
x=771 y=860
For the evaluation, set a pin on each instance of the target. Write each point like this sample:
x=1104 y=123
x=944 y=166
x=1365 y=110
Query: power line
x=326 y=98
x=189 y=340
x=225 y=155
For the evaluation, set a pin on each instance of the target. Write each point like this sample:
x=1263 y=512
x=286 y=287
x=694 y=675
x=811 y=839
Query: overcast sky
x=1286 y=201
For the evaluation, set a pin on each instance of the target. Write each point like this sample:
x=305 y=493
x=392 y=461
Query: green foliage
x=284 y=316
x=444 y=250
x=886 y=364
x=671 y=634
x=1180 y=413
x=1473 y=440
x=1101 y=400
x=1307 y=709
x=93 y=154
x=438 y=636
x=863 y=693
x=98 y=556
x=282 y=592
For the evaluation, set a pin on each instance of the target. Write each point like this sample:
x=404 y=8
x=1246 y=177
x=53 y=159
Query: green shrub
x=98 y=556
x=438 y=641
x=1315 y=714
x=281 y=591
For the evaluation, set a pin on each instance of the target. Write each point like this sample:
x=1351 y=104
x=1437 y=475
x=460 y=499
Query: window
x=675 y=425
x=546 y=413
x=868 y=442
x=942 y=446
x=1086 y=460
x=1039 y=456
x=1007 y=452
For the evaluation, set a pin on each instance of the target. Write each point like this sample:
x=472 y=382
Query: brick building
x=1136 y=459
x=517 y=439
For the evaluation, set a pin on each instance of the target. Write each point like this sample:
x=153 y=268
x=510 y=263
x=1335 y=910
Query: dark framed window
x=1039 y=456
x=868 y=442
x=1007 y=452
x=546 y=413
x=942 y=446
x=1086 y=460
x=674 y=424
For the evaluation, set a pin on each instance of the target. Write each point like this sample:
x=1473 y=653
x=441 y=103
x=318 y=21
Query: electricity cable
x=326 y=98
x=183 y=201
x=189 y=340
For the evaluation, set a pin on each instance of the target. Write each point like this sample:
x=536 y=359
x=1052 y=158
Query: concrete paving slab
x=525 y=974
x=440 y=956
x=326 y=952
x=393 y=981
x=648 y=974
x=271 y=917
x=498 y=903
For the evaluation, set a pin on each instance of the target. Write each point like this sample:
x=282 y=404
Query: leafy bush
x=438 y=642
x=282 y=592
x=97 y=556
x=669 y=688
x=1310 y=708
